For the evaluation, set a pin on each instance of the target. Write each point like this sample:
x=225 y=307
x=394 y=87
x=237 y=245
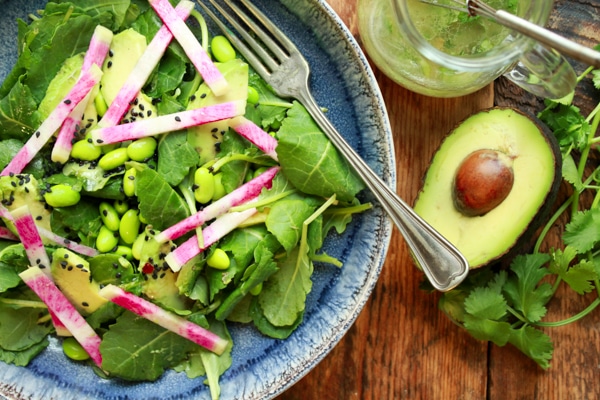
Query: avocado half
x=491 y=183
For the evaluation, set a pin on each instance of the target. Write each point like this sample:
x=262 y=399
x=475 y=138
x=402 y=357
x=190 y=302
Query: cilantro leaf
x=579 y=276
x=571 y=174
x=485 y=329
x=583 y=231
x=524 y=290
x=486 y=303
x=534 y=343
x=569 y=126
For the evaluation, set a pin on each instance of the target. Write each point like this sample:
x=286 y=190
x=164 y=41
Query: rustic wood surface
x=402 y=346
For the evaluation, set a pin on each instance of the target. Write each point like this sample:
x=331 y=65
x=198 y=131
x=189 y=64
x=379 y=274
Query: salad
x=158 y=222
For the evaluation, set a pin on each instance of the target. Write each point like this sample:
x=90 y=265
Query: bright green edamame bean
x=121 y=206
x=129 y=182
x=85 y=150
x=107 y=240
x=219 y=188
x=259 y=171
x=62 y=196
x=255 y=291
x=130 y=226
x=221 y=49
x=141 y=149
x=253 y=96
x=73 y=350
x=113 y=159
x=124 y=252
x=138 y=244
x=204 y=185
x=109 y=216
x=100 y=103
x=218 y=259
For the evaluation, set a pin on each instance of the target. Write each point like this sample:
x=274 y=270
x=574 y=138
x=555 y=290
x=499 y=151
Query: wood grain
x=402 y=346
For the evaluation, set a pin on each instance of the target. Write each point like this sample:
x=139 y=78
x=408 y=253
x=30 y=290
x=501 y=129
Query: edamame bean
x=74 y=350
x=121 y=206
x=204 y=185
x=113 y=159
x=219 y=188
x=141 y=149
x=85 y=150
x=259 y=171
x=100 y=103
x=62 y=195
x=221 y=49
x=124 y=251
x=253 y=95
x=107 y=240
x=218 y=259
x=255 y=291
x=130 y=226
x=129 y=182
x=138 y=244
x=109 y=216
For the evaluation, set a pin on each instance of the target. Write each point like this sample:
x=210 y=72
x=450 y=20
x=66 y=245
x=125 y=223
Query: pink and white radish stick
x=95 y=55
x=69 y=244
x=142 y=70
x=211 y=234
x=197 y=55
x=167 y=123
x=167 y=320
x=61 y=308
x=255 y=135
x=7 y=234
x=241 y=195
x=98 y=48
x=31 y=239
x=45 y=131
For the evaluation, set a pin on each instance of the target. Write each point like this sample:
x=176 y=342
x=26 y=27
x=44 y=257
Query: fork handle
x=442 y=263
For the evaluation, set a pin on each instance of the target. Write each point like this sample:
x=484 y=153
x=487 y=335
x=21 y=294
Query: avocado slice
x=491 y=183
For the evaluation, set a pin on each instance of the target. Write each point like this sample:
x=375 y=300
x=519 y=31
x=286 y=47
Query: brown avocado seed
x=482 y=182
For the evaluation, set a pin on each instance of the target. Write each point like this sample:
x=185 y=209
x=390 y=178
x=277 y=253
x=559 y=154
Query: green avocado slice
x=536 y=165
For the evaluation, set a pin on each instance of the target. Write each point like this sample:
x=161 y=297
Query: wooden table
x=402 y=346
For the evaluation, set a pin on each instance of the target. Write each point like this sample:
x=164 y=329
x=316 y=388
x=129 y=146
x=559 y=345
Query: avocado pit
x=482 y=181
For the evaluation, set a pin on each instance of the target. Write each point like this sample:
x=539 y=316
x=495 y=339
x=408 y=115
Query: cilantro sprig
x=509 y=306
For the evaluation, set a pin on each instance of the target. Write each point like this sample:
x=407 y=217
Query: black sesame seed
x=67 y=101
x=38 y=218
x=203 y=95
x=37 y=134
x=109 y=64
x=177 y=119
x=85 y=304
x=99 y=141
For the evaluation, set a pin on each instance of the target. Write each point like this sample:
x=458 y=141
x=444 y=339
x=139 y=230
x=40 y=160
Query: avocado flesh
x=536 y=165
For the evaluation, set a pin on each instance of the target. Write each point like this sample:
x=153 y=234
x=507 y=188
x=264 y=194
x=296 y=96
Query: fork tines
x=278 y=45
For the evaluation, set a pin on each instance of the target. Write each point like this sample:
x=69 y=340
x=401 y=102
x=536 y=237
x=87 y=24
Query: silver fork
x=286 y=70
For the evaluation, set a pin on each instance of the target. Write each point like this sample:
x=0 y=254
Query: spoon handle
x=561 y=44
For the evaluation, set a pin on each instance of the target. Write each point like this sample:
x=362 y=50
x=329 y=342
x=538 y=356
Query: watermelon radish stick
x=31 y=239
x=211 y=234
x=36 y=253
x=64 y=139
x=5 y=233
x=142 y=70
x=241 y=195
x=256 y=135
x=197 y=55
x=166 y=319
x=69 y=244
x=167 y=123
x=82 y=87
x=98 y=49
x=60 y=307
x=95 y=55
